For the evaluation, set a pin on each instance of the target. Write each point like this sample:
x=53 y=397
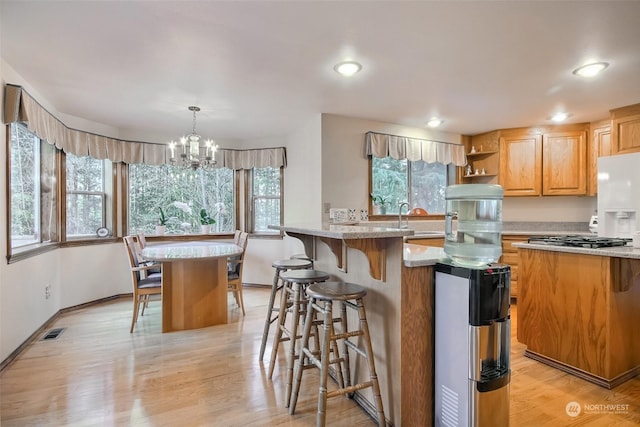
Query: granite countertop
x=627 y=251
x=420 y=255
x=343 y=231
x=190 y=251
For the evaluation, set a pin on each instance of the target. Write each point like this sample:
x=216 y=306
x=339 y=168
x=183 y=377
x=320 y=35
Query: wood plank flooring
x=97 y=374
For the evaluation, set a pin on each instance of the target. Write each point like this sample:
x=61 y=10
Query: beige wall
x=345 y=172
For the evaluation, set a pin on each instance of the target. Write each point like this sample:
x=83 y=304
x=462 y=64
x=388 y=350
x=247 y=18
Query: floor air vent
x=53 y=334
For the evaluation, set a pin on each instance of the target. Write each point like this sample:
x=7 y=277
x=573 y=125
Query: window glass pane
x=267 y=212
x=181 y=193
x=84 y=173
x=84 y=214
x=428 y=184
x=25 y=186
x=85 y=195
x=48 y=193
x=266 y=182
x=390 y=181
x=267 y=200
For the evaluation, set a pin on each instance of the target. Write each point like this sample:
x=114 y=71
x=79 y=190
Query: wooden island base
x=581 y=314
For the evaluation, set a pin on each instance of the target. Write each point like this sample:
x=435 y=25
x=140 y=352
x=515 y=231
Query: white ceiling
x=258 y=69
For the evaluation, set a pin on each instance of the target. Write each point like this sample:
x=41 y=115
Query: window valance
x=21 y=107
x=414 y=149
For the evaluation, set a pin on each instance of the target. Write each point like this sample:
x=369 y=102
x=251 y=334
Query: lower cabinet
x=510 y=257
x=438 y=242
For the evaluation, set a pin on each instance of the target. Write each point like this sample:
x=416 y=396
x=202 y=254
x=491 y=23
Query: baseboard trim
x=360 y=400
x=46 y=325
x=255 y=285
x=608 y=383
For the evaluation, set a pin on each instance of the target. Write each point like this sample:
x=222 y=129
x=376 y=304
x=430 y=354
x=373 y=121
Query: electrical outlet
x=327 y=207
x=47 y=291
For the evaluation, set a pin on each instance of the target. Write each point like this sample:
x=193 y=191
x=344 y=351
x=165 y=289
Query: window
x=86 y=195
x=420 y=184
x=32 y=204
x=153 y=187
x=266 y=199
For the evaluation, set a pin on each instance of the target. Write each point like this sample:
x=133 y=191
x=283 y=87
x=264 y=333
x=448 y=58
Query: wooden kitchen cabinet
x=521 y=165
x=437 y=241
x=599 y=146
x=510 y=257
x=544 y=161
x=625 y=132
x=579 y=313
x=564 y=163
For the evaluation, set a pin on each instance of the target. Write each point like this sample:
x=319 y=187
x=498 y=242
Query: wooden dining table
x=194 y=282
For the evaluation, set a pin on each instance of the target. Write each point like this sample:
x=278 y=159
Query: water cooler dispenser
x=472 y=343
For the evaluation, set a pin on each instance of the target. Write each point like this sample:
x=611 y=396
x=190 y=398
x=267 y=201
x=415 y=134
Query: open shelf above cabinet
x=479 y=175
x=481 y=153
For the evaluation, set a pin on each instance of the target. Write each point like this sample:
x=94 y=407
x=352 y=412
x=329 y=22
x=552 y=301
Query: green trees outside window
x=182 y=194
x=420 y=184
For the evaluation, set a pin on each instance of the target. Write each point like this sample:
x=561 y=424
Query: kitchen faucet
x=400 y=215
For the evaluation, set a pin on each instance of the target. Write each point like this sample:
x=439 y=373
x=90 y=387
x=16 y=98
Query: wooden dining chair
x=144 y=282
x=141 y=243
x=234 y=272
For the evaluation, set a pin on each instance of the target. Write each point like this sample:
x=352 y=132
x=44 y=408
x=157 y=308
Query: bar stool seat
x=292 y=300
x=302 y=256
x=280 y=266
x=321 y=297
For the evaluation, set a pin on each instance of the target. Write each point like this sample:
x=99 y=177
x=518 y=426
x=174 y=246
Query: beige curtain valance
x=414 y=149
x=21 y=107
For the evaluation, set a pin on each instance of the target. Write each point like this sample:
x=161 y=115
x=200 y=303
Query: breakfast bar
x=579 y=310
x=398 y=277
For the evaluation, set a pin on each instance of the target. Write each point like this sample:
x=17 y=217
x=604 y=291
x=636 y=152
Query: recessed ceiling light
x=434 y=122
x=347 y=68
x=590 y=70
x=559 y=117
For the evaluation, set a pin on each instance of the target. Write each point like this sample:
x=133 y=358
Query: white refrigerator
x=619 y=195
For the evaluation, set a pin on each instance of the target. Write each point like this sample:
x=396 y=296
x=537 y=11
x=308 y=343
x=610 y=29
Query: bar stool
x=304 y=257
x=321 y=297
x=292 y=300
x=280 y=266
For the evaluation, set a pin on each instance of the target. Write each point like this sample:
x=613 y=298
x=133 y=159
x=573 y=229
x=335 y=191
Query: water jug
x=476 y=241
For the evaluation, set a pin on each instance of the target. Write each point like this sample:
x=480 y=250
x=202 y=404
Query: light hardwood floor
x=97 y=374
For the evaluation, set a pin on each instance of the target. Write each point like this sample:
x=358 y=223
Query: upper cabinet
x=564 y=163
x=599 y=146
x=625 y=129
x=521 y=164
x=544 y=161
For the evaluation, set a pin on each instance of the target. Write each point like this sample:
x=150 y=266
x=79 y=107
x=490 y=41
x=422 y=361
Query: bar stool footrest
x=350 y=389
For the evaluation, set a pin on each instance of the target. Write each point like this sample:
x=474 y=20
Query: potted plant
x=379 y=204
x=205 y=221
x=162 y=223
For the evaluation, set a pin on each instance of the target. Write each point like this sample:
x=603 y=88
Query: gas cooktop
x=579 y=241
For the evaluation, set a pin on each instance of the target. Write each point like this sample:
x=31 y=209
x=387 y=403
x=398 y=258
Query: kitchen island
x=579 y=310
x=399 y=303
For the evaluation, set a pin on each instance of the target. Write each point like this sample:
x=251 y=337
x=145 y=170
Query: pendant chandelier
x=193 y=152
